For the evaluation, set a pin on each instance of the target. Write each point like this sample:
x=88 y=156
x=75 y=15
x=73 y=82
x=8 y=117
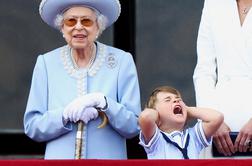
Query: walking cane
x=78 y=139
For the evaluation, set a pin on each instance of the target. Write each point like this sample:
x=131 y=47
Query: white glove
x=73 y=111
x=97 y=100
x=86 y=115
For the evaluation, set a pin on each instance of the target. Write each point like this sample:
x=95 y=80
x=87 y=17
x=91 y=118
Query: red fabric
x=221 y=162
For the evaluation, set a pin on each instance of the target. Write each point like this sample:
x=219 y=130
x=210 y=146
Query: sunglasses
x=73 y=21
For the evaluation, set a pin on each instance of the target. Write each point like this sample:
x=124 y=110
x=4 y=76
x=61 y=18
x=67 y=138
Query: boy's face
x=170 y=108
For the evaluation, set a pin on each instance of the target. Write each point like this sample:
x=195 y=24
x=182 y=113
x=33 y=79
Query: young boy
x=164 y=134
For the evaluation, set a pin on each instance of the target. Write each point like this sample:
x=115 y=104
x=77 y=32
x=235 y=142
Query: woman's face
x=79 y=27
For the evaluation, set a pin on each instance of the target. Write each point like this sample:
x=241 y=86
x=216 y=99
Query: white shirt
x=158 y=148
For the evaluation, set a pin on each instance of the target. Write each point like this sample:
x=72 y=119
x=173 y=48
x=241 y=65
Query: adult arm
x=205 y=75
x=123 y=113
x=42 y=124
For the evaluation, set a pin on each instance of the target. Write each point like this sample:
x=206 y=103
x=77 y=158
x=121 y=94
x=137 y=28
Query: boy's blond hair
x=151 y=103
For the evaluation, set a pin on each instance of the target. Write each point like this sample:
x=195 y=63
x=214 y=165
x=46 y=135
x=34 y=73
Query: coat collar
x=91 y=70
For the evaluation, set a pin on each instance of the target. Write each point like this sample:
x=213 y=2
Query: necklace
x=93 y=54
x=94 y=66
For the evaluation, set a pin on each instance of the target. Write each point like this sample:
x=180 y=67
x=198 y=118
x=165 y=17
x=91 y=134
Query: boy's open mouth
x=177 y=110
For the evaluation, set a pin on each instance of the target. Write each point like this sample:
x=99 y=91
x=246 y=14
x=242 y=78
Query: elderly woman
x=71 y=83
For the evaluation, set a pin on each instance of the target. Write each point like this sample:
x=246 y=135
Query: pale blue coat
x=56 y=83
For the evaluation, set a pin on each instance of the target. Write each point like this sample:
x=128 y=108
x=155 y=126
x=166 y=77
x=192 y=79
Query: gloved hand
x=84 y=115
x=96 y=99
x=74 y=110
x=88 y=114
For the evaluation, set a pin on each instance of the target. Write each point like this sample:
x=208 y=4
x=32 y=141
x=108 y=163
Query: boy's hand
x=183 y=105
x=153 y=114
x=148 y=120
x=188 y=110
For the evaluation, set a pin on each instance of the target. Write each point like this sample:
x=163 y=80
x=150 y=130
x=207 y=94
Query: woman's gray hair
x=100 y=18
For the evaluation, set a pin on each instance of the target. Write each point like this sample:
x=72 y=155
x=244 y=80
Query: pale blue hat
x=49 y=9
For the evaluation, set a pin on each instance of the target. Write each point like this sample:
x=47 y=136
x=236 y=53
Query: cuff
x=106 y=105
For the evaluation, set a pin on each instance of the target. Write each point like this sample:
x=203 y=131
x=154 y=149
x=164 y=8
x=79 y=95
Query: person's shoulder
x=211 y=1
x=194 y=124
x=216 y=3
x=50 y=57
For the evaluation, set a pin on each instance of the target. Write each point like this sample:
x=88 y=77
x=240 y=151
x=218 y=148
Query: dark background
x=160 y=34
